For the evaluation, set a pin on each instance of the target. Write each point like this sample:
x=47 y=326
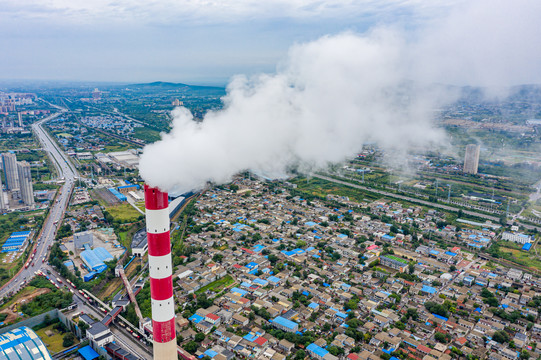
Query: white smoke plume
x=329 y=97
x=332 y=95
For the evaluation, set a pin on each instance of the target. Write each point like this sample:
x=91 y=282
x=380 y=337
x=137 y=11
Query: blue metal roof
x=318 y=350
x=285 y=322
x=195 y=318
x=23 y=343
x=440 y=317
x=20 y=233
x=103 y=254
x=428 y=289
x=211 y=353
x=92 y=261
x=240 y=291
x=88 y=353
x=119 y=196
x=261 y=282
x=250 y=337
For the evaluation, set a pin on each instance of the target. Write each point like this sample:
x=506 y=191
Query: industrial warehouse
x=22 y=344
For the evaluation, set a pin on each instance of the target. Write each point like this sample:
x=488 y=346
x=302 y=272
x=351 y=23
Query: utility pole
x=449 y=194
x=437 y=189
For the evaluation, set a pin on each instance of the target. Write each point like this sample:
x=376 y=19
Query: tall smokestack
x=161 y=274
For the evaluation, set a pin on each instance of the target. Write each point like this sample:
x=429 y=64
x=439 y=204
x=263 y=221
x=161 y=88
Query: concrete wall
x=36 y=320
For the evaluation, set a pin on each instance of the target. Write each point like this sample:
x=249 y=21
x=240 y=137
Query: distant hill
x=169 y=85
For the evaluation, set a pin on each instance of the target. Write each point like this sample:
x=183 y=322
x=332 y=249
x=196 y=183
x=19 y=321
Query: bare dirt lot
x=14 y=308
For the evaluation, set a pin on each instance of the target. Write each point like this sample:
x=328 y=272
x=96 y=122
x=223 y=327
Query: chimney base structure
x=161 y=274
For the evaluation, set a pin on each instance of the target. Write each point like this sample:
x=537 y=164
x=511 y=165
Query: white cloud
x=333 y=94
x=328 y=98
x=204 y=11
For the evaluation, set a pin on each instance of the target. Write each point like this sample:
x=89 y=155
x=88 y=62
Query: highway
x=66 y=171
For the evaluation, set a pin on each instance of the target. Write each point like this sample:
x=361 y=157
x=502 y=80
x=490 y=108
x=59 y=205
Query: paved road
x=65 y=170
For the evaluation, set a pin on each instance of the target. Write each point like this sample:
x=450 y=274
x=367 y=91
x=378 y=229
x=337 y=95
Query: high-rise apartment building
x=471 y=159
x=11 y=174
x=25 y=181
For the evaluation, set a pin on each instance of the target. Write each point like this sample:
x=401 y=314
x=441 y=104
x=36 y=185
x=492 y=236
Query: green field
x=321 y=188
x=514 y=253
x=217 y=286
x=146 y=134
x=124 y=213
x=54 y=342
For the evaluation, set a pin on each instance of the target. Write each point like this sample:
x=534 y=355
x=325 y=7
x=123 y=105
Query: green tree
x=501 y=336
x=68 y=340
x=191 y=347
x=299 y=355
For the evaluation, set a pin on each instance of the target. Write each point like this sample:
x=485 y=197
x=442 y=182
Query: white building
x=9 y=162
x=471 y=159
x=25 y=182
x=99 y=334
x=516 y=237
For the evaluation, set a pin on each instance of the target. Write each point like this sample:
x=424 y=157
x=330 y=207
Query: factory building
x=82 y=238
x=127 y=188
x=16 y=241
x=22 y=343
x=516 y=237
x=139 y=244
x=25 y=183
x=118 y=195
x=95 y=259
x=471 y=159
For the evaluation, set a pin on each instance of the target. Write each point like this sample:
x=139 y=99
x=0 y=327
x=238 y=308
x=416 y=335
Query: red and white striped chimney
x=161 y=274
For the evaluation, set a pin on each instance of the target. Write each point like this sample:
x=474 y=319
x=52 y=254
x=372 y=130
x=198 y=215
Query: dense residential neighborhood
x=277 y=275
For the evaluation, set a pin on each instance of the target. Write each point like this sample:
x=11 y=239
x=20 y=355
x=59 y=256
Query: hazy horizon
x=207 y=43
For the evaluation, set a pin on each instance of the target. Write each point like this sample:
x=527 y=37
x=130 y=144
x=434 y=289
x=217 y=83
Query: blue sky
x=177 y=40
x=194 y=41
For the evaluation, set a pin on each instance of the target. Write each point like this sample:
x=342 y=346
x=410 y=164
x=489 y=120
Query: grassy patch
x=146 y=134
x=217 y=286
x=54 y=342
x=140 y=205
x=124 y=213
x=321 y=188
x=525 y=258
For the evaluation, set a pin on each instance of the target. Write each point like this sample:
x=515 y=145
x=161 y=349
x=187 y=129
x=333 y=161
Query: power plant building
x=471 y=159
x=25 y=183
x=9 y=162
x=22 y=343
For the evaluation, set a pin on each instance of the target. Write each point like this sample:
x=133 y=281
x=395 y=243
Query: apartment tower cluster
x=18 y=178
